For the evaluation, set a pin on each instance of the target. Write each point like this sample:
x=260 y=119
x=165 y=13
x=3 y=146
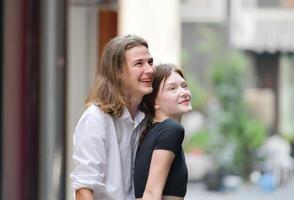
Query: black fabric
x=166 y=135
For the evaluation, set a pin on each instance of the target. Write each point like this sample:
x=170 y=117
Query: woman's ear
x=156 y=106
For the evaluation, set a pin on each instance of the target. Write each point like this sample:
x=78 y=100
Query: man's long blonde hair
x=107 y=92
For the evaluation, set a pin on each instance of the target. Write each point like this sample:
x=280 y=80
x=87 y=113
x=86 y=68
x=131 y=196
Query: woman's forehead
x=174 y=77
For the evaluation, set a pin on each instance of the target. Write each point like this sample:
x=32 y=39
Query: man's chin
x=147 y=90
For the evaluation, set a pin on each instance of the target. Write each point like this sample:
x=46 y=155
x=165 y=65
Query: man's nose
x=149 y=68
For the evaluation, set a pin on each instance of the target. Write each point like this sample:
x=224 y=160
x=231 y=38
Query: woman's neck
x=160 y=118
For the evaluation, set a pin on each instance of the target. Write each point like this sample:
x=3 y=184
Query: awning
x=264 y=30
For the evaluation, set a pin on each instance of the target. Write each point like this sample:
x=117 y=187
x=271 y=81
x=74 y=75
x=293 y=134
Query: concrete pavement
x=197 y=191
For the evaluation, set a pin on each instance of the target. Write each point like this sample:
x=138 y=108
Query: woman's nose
x=185 y=92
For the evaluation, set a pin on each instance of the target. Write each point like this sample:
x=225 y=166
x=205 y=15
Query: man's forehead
x=137 y=53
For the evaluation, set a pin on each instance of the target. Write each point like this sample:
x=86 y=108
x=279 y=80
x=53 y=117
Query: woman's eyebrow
x=176 y=82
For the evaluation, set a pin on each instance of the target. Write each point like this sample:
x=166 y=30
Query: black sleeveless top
x=167 y=135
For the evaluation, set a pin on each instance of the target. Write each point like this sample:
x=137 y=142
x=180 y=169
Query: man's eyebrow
x=137 y=60
x=142 y=60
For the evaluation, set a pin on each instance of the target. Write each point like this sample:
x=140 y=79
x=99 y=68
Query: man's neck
x=133 y=105
x=133 y=111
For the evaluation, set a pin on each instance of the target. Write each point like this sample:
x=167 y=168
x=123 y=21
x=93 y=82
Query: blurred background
x=237 y=56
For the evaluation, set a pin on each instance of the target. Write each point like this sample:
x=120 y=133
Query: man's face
x=137 y=73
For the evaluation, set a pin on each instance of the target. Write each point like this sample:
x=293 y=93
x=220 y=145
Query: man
x=106 y=135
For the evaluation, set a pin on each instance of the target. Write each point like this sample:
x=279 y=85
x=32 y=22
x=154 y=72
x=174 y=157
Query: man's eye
x=150 y=62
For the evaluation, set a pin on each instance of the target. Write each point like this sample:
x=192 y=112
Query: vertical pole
x=52 y=108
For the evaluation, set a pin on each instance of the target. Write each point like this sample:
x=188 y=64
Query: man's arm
x=84 y=194
x=89 y=156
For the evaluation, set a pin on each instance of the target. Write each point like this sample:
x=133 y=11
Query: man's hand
x=84 y=194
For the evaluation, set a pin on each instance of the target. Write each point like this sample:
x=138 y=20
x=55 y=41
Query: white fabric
x=278 y=159
x=104 y=152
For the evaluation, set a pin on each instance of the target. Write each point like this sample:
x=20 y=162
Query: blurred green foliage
x=235 y=124
x=231 y=134
x=199 y=95
x=198 y=141
x=288 y=136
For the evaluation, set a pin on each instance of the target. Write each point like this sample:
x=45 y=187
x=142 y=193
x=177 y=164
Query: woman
x=160 y=169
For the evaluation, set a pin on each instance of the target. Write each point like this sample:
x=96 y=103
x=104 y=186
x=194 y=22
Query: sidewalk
x=197 y=191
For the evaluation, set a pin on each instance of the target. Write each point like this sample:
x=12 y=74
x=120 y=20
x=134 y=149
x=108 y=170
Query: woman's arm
x=159 y=169
x=84 y=194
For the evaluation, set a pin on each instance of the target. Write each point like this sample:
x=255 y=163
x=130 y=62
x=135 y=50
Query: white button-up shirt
x=104 y=152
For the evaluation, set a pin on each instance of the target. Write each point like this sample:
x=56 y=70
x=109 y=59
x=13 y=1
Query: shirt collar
x=126 y=116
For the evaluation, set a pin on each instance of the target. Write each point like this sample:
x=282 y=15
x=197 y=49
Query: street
x=197 y=191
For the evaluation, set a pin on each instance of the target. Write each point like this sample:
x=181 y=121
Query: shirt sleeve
x=89 y=153
x=170 y=136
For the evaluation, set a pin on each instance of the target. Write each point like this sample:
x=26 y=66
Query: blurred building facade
x=32 y=99
x=263 y=30
x=50 y=50
x=49 y=54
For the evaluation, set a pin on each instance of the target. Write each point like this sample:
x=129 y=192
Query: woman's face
x=173 y=98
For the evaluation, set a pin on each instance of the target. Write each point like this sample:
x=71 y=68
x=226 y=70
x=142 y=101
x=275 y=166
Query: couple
x=128 y=142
